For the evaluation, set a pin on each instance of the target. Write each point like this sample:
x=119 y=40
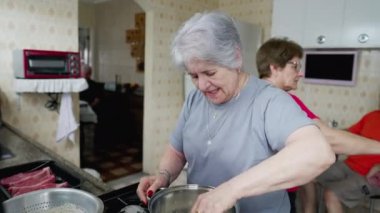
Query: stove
x=123 y=200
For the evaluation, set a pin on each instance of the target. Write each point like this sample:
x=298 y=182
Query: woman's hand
x=217 y=200
x=373 y=176
x=149 y=185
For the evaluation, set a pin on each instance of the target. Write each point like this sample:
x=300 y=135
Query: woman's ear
x=273 y=68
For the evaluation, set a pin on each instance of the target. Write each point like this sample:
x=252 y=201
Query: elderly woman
x=236 y=132
x=279 y=63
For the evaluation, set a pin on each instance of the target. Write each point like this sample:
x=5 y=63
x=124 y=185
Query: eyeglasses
x=296 y=65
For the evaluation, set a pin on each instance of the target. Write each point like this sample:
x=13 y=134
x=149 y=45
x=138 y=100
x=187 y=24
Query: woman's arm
x=172 y=163
x=344 y=142
x=306 y=155
x=373 y=176
x=170 y=167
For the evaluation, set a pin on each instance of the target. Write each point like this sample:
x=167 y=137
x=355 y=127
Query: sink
x=5 y=153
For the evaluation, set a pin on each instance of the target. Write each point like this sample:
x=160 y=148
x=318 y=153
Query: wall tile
x=45 y=24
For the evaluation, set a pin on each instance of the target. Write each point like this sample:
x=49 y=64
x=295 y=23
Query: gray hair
x=208 y=36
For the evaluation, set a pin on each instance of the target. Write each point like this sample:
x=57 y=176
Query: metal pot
x=179 y=199
x=45 y=199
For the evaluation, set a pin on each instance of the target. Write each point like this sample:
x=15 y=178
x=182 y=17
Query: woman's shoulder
x=265 y=89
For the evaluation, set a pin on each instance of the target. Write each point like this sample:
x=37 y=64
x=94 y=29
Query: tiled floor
x=114 y=161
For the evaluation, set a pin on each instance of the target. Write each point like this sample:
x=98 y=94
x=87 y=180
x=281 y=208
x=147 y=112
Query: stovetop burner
x=123 y=200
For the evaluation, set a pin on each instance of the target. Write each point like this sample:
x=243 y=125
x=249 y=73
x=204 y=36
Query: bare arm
x=170 y=167
x=305 y=156
x=173 y=162
x=344 y=142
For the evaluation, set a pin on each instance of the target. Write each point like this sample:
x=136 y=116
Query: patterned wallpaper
x=50 y=25
x=163 y=98
x=347 y=105
x=163 y=84
x=344 y=104
x=53 y=25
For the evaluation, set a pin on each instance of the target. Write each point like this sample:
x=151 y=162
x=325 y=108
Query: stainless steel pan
x=179 y=199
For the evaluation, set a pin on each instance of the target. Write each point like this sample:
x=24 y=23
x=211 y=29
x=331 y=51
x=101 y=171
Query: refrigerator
x=250 y=36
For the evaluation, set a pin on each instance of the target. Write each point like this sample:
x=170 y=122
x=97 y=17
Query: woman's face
x=218 y=84
x=287 y=78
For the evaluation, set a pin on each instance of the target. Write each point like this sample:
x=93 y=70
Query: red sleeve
x=357 y=128
x=304 y=108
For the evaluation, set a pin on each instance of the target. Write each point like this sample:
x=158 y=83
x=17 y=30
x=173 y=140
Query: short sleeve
x=304 y=108
x=283 y=117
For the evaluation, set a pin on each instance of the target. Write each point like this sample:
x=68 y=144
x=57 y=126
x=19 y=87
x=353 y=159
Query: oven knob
x=73 y=57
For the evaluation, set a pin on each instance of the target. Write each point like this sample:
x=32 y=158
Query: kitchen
x=54 y=24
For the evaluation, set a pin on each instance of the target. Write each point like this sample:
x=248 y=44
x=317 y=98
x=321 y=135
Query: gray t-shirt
x=222 y=141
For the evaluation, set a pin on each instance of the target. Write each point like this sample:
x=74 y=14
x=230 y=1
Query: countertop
x=26 y=152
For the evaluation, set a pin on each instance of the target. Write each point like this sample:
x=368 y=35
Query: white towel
x=66 y=121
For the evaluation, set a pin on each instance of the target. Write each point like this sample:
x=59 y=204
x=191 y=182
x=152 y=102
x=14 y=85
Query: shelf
x=50 y=85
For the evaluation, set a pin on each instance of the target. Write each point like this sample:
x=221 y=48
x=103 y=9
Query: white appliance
x=250 y=36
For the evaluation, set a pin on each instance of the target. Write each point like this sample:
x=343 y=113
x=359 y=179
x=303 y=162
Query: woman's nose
x=202 y=83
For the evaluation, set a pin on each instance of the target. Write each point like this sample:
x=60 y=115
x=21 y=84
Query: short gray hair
x=208 y=36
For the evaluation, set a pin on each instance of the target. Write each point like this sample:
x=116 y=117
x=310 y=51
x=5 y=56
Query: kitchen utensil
x=45 y=199
x=179 y=199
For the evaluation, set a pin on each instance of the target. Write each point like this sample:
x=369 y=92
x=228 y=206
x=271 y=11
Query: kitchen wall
x=86 y=20
x=344 y=104
x=50 y=25
x=163 y=84
x=113 y=54
x=347 y=105
x=53 y=25
x=163 y=94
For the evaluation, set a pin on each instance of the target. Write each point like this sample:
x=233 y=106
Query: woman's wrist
x=166 y=174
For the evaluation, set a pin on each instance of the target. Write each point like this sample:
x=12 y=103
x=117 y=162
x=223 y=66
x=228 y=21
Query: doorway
x=113 y=145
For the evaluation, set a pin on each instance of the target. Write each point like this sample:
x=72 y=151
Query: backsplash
x=347 y=105
x=53 y=25
x=47 y=25
x=163 y=96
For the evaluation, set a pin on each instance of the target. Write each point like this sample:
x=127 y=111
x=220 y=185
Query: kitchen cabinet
x=361 y=23
x=323 y=21
x=328 y=24
x=286 y=19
